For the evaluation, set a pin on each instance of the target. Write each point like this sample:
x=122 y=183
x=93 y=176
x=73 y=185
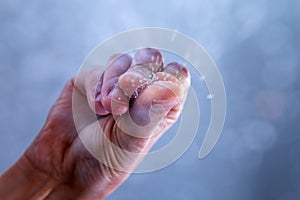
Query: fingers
x=135 y=78
x=161 y=99
x=181 y=73
x=178 y=70
x=152 y=58
x=112 y=93
x=146 y=63
x=153 y=104
x=101 y=88
x=167 y=91
x=125 y=79
x=85 y=84
x=109 y=97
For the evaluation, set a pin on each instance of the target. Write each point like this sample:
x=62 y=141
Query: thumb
x=150 y=110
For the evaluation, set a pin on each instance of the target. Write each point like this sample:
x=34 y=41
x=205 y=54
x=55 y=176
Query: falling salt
x=210 y=96
x=119 y=98
x=135 y=94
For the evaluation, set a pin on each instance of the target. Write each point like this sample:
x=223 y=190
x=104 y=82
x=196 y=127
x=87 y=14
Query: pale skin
x=58 y=166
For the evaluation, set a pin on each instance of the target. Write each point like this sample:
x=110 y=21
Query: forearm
x=23 y=181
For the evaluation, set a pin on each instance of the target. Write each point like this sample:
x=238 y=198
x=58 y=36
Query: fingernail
x=176 y=69
x=119 y=60
x=149 y=56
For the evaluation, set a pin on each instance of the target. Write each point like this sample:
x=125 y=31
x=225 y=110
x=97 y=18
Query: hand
x=118 y=113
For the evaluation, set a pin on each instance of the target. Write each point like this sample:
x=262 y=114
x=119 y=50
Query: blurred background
x=254 y=43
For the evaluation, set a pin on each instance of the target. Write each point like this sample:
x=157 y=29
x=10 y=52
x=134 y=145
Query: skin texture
x=119 y=114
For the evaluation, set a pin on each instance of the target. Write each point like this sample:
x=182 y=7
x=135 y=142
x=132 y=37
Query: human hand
x=117 y=118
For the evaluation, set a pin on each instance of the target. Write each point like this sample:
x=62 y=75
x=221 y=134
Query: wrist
x=24 y=181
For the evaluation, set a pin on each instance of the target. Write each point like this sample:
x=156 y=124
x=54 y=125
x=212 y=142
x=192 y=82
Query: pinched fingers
x=135 y=85
x=156 y=94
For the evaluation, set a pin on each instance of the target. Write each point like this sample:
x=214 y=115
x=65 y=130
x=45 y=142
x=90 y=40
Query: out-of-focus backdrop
x=255 y=44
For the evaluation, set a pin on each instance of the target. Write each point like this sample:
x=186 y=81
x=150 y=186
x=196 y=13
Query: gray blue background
x=255 y=44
